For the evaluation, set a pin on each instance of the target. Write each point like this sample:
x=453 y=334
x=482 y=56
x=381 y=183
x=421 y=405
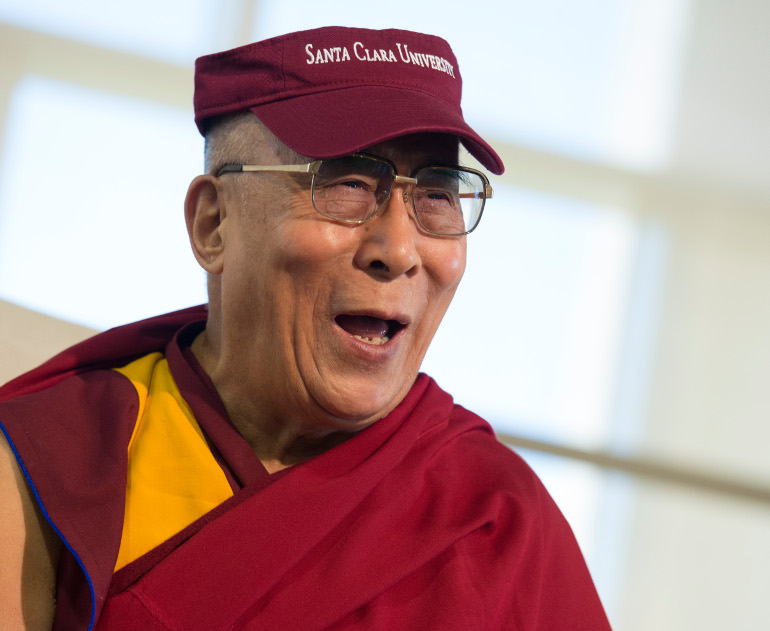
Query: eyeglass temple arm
x=311 y=167
x=410 y=180
x=487 y=193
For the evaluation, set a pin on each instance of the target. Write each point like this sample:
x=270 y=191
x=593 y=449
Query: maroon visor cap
x=332 y=91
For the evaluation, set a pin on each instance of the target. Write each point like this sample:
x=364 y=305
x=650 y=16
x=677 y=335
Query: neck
x=279 y=440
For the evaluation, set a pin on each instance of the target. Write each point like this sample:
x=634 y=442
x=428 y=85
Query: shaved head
x=243 y=138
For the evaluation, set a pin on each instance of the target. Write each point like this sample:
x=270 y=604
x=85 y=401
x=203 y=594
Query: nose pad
x=409 y=184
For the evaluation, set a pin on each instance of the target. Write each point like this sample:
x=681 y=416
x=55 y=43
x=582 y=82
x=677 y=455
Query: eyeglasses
x=447 y=201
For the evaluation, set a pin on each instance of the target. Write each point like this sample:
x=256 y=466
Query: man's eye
x=438 y=196
x=352 y=184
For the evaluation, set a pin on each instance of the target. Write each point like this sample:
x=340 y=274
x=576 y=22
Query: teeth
x=377 y=341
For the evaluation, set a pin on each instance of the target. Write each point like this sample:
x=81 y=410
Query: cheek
x=447 y=266
x=288 y=237
x=306 y=263
x=300 y=236
x=445 y=271
x=313 y=249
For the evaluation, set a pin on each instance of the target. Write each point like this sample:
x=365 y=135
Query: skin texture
x=29 y=553
x=293 y=382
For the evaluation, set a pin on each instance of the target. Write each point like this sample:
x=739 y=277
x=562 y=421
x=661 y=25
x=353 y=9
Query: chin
x=360 y=409
x=358 y=415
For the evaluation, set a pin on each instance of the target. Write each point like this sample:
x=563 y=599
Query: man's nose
x=388 y=245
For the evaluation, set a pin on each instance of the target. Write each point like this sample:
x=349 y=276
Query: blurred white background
x=616 y=304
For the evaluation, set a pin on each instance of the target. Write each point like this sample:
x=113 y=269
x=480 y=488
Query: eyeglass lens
x=447 y=201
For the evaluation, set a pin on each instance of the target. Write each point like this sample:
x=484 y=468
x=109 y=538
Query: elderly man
x=275 y=460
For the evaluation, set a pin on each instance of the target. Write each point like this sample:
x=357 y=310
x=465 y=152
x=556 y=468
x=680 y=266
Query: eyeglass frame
x=314 y=166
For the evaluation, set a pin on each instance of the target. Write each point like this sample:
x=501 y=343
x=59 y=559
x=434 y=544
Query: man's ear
x=204 y=212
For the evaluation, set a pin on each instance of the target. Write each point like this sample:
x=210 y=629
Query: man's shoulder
x=69 y=435
x=75 y=396
x=110 y=349
x=461 y=459
x=473 y=439
x=29 y=550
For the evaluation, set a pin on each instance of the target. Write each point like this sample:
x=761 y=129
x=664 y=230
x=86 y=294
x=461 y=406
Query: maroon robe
x=421 y=521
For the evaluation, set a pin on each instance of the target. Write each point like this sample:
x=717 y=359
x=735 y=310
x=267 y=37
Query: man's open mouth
x=369 y=329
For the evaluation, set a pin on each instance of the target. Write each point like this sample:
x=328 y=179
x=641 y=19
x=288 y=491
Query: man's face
x=299 y=292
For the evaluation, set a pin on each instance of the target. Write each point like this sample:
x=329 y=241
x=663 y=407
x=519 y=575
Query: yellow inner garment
x=173 y=479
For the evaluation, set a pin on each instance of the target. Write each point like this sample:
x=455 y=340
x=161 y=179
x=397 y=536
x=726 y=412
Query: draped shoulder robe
x=421 y=521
